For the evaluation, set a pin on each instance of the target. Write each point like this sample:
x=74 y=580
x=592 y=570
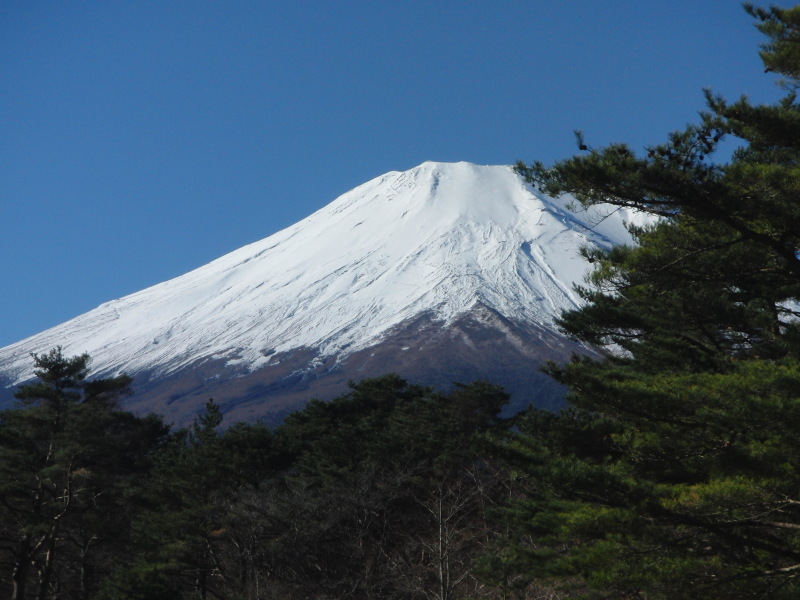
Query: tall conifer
x=684 y=480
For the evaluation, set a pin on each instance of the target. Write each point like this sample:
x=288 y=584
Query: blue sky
x=141 y=139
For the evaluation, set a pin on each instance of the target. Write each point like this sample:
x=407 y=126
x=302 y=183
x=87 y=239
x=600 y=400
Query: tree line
x=384 y=492
x=674 y=472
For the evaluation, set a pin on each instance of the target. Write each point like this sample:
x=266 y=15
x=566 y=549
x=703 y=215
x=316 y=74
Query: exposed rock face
x=481 y=345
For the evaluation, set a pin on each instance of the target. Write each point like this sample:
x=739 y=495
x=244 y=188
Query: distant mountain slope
x=439 y=245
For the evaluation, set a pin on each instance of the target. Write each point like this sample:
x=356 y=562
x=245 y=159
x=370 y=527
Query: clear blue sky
x=141 y=139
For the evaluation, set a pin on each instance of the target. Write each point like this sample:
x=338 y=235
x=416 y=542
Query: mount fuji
x=446 y=272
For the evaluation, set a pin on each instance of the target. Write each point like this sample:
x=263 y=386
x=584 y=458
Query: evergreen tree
x=69 y=467
x=184 y=527
x=382 y=493
x=677 y=476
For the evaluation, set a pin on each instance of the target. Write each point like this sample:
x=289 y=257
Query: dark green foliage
x=383 y=492
x=389 y=422
x=387 y=492
x=69 y=465
x=675 y=476
x=782 y=53
x=187 y=502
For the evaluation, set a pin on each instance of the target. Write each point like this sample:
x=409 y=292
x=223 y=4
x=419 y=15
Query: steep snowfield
x=439 y=237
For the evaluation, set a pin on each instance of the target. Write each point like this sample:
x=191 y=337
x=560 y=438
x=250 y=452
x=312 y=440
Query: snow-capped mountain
x=429 y=247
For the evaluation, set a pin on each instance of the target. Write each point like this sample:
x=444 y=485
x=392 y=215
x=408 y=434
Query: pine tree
x=69 y=466
x=684 y=481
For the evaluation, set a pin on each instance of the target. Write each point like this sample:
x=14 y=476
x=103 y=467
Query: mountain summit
x=410 y=263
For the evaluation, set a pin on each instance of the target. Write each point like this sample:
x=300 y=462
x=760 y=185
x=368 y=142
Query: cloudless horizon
x=141 y=140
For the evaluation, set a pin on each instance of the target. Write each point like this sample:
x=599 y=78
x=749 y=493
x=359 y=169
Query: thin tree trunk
x=47 y=570
x=19 y=574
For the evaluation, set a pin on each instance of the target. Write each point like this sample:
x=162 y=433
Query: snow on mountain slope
x=439 y=237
